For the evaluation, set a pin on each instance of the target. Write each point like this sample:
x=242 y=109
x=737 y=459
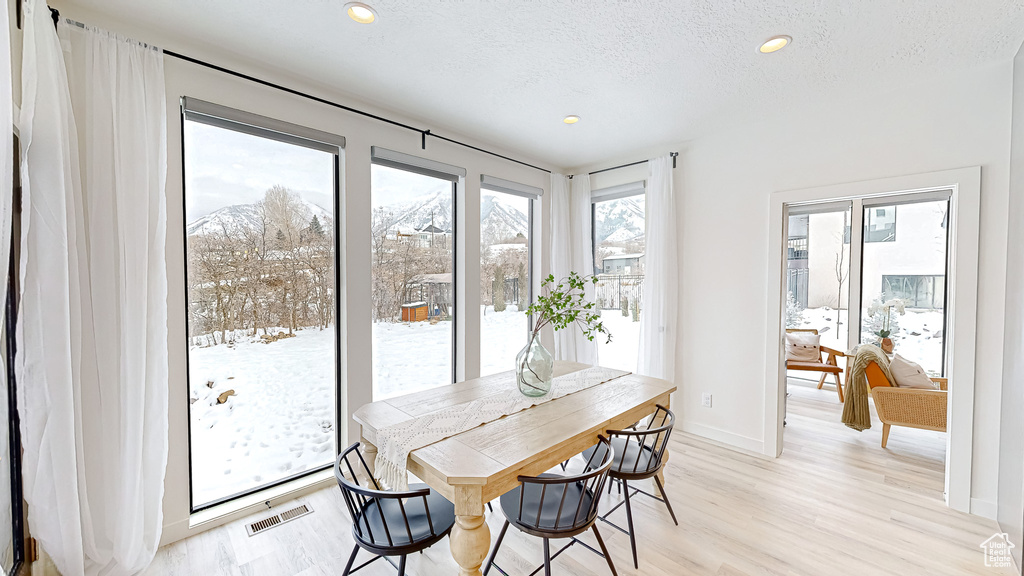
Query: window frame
x=195 y=110
x=455 y=175
x=532 y=195
x=609 y=194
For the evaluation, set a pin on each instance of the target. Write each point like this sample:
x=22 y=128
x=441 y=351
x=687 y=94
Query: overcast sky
x=393 y=186
x=224 y=167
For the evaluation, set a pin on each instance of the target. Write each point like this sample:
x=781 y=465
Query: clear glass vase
x=533 y=368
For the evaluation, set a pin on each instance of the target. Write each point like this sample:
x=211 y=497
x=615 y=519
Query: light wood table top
x=476 y=466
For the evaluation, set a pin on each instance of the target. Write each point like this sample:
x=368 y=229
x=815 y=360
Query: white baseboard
x=984 y=508
x=724 y=438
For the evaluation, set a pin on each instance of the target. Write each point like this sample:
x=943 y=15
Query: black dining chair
x=389 y=523
x=552 y=506
x=639 y=454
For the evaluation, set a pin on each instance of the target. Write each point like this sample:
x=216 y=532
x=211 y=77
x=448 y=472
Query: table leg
x=664 y=458
x=470 y=538
x=369 y=453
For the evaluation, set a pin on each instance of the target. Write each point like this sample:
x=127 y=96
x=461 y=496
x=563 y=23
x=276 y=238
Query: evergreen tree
x=315 y=227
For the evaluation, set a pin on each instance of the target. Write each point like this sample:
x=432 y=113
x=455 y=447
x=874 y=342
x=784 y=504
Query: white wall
x=956 y=121
x=824 y=241
x=724 y=182
x=184 y=79
x=1011 y=439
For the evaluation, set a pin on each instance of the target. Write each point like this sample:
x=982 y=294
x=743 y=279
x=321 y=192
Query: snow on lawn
x=621 y=353
x=279 y=422
x=410 y=356
x=502 y=336
x=414 y=356
x=919 y=338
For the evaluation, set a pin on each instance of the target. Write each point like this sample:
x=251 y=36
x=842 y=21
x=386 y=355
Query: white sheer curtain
x=583 y=256
x=6 y=212
x=571 y=250
x=92 y=330
x=658 y=329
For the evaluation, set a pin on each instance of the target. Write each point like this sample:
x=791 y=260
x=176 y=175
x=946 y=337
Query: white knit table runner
x=396 y=442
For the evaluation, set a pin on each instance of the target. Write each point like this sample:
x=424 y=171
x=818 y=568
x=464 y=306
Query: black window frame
x=529 y=248
x=263 y=127
x=454 y=180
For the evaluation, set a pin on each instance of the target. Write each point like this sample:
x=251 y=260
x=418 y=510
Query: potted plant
x=885 y=343
x=561 y=305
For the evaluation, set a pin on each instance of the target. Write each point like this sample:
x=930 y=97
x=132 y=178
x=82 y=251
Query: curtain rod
x=674 y=155
x=423 y=132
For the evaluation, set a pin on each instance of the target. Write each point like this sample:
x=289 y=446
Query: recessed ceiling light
x=361 y=12
x=571 y=119
x=774 y=44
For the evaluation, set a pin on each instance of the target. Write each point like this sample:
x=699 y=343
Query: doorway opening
x=873 y=263
x=849 y=286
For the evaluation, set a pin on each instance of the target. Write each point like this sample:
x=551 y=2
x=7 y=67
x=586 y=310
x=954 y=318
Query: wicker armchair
x=911 y=407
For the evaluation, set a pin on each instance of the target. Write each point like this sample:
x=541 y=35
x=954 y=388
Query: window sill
x=262 y=500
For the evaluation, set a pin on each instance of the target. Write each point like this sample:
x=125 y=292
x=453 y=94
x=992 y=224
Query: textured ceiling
x=641 y=74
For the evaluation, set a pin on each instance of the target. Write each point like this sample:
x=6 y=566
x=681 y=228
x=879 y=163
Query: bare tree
x=842 y=271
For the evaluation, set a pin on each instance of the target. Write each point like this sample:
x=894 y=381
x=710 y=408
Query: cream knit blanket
x=396 y=442
x=856 y=412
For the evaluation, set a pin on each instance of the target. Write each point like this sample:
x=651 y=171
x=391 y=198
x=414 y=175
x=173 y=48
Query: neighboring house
x=904 y=256
x=426 y=237
x=623 y=264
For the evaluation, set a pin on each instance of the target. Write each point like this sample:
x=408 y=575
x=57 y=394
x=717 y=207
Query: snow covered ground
x=919 y=337
x=502 y=336
x=621 y=353
x=410 y=356
x=279 y=422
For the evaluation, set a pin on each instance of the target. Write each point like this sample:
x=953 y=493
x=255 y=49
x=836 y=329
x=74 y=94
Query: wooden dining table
x=479 y=465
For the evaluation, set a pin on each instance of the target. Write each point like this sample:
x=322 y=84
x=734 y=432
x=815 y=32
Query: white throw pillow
x=909 y=374
x=803 y=347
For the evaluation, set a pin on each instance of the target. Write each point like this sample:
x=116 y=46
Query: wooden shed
x=414 y=312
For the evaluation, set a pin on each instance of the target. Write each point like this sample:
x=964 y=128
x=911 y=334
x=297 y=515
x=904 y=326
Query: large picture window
x=506 y=241
x=260 y=251
x=412 y=274
x=619 y=225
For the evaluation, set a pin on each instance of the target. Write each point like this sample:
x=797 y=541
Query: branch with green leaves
x=563 y=304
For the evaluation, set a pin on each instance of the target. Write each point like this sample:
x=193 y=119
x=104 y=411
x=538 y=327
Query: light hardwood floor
x=834 y=503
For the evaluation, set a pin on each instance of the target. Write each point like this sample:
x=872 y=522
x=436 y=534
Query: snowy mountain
x=500 y=221
x=417 y=214
x=233 y=219
x=227 y=220
x=619 y=220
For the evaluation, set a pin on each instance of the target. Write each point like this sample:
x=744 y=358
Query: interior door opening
x=859 y=272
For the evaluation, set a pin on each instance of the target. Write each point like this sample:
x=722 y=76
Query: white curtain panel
x=582 y=242
x=572 y=250
x=561 y=253
x=6 y=212
x=92 y=330
x=658 y=327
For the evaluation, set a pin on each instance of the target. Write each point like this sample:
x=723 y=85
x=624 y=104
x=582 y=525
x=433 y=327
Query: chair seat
x=553 y=517
x=442 y=512
x=813 y=366
x=628 y=453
